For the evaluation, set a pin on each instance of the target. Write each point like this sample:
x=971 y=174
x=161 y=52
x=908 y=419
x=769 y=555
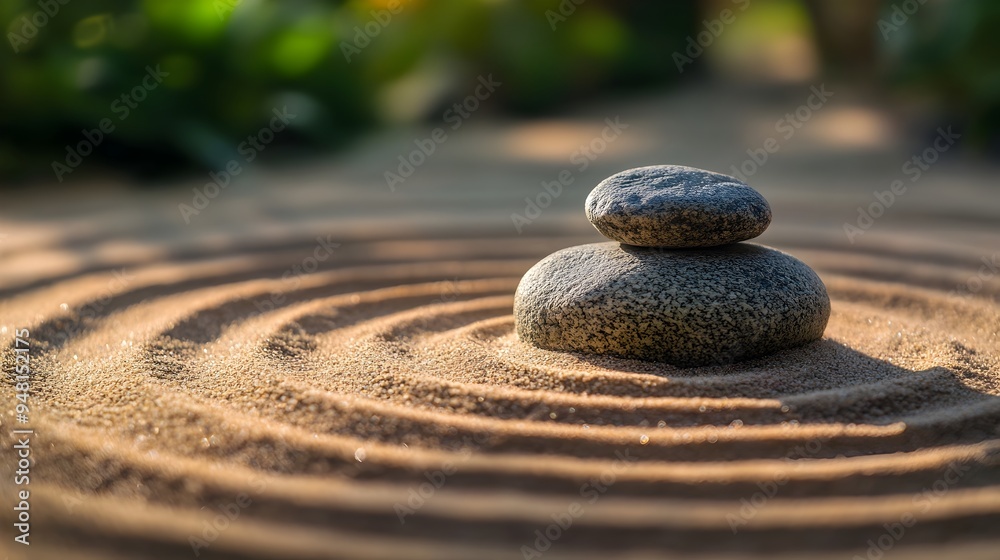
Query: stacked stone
x=676 y=285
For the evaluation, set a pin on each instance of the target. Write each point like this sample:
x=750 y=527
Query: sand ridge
x=329 y=399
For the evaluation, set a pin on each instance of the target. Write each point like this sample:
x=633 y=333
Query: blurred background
x=350 y=69
x=202 y=151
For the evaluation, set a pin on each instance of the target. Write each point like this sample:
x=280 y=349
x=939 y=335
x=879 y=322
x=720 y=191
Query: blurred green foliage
x=948 y=52
x=342 y=66
x=346 y=66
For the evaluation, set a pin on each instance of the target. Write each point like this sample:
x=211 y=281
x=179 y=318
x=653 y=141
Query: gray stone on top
x=683 y=307
x=676 y=206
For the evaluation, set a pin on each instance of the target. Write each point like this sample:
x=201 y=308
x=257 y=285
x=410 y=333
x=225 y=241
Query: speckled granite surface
x=682 y=307
x=676 y=206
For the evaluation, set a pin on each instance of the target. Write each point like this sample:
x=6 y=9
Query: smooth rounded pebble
x=676 y=206
x=686 y=308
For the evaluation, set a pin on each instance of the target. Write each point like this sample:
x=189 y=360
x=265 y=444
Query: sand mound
x=383 y=408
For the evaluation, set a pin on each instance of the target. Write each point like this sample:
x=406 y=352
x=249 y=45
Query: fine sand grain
x=325 y=407
x=189 y=403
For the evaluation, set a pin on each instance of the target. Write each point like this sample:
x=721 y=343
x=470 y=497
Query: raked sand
x=385 y=409
x=186 y=399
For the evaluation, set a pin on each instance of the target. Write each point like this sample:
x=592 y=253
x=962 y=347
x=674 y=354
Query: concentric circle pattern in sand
x=382 y=407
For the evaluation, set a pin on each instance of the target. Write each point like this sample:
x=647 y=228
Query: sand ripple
x=332 y=399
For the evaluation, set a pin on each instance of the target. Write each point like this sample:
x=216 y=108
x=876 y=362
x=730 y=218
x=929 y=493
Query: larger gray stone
x=676 y=206
x=683 y=307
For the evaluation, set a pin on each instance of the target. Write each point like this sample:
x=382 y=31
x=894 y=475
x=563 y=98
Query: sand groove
x=330 y=398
